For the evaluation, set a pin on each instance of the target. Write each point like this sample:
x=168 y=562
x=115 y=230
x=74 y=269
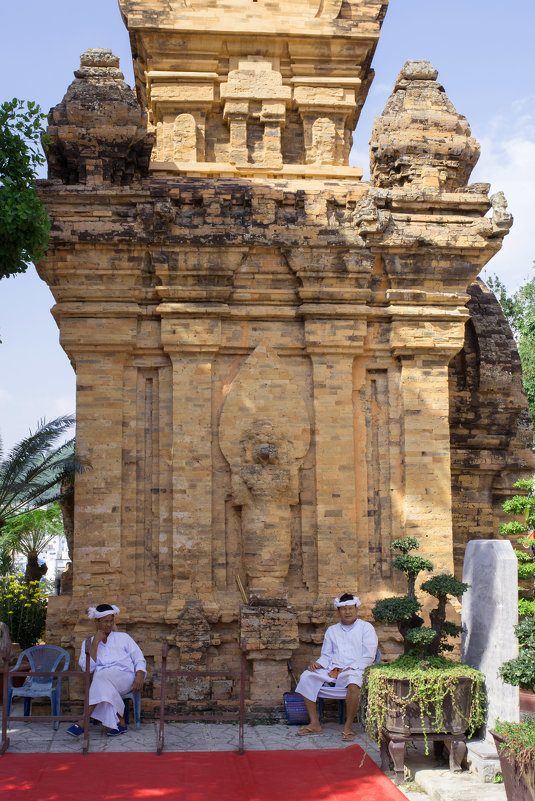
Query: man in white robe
x=118 y=666
x=348 y=648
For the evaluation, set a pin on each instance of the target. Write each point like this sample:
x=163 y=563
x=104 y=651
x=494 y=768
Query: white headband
x=92 y=613
x=353 y=602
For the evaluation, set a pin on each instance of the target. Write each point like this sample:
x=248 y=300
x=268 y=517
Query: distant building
x=55 y=557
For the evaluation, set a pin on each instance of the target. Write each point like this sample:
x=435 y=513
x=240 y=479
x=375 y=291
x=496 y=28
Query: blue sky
x=483 y=50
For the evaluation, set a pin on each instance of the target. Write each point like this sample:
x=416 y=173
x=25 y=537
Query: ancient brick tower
x=264 y=344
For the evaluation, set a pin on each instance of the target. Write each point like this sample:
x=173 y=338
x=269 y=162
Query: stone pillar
x=332 y=360
x=191 y=344
x=271 y=635
x=426 y=456
x=424 y=340
x=99 y=349
x=254 y=96
x=237 y=120
x=490 y=610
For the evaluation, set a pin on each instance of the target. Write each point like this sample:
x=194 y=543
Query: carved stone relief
x=264 y=434
x=185 y=138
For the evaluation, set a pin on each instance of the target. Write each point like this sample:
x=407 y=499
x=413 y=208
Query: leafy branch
x=24 y=223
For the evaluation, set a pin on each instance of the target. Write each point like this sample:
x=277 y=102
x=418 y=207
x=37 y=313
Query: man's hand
x=335 y=672
x=100 y=636
x=138 y=681
x=314 y=666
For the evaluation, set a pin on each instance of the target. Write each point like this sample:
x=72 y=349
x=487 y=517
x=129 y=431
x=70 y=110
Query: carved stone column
x=191 y=344
x=99 y=348
x=272 y=635
x=255 y=109
x=325 y=136
x=333 y=345
x=425 y=445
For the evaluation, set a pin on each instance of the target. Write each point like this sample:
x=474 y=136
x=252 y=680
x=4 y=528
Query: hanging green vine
x=429 y=685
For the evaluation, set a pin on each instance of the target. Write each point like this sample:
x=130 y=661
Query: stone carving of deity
x=268 y=417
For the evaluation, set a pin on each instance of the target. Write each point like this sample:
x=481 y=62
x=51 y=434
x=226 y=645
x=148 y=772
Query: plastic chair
x=41 y=658
x=339 y=694
x=135 y=696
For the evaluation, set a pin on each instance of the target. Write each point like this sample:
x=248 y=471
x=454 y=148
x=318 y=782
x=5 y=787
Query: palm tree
x=38 y=471
x=29 y=534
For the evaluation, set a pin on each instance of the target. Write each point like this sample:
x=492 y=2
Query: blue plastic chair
x=41 y=658
x=135 y=696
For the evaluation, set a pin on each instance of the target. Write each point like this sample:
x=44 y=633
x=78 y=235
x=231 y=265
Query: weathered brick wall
x=491 y=427
x=263 y=343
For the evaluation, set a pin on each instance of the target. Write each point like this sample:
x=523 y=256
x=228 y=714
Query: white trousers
x=105 y=691
x=310 y=682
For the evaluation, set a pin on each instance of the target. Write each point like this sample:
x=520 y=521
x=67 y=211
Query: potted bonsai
x=423 y=694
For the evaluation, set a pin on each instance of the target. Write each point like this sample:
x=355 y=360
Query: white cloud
x=64 y=405
x=508 y=163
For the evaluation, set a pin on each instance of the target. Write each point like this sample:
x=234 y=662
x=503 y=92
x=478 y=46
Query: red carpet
x=195 y=776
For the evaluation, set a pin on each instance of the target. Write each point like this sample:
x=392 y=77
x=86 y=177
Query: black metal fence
x=214 y=717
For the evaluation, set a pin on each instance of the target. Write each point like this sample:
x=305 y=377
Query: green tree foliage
x=29 y=534
x=520 y=671
x=524 y=506
x=33 y=472
x=519 y=309
x=394 y=610
x=521 y=505
x=403 y=611
x=24 y=223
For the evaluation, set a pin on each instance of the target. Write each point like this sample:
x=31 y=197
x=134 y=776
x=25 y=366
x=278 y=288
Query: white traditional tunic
x=352 y=647
x=118 y=660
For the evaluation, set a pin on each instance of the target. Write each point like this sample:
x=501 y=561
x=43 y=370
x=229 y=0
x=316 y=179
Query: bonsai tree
x=523 y=505
x=526 y=582
x=404 y=611
x=422 y=687
x=520 y=671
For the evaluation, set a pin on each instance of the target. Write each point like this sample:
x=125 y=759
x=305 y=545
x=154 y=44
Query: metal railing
x=214 y=717
x=165 y=674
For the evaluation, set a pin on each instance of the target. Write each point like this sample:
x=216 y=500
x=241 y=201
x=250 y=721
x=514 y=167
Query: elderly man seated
x=117 y=665
x=348 y=648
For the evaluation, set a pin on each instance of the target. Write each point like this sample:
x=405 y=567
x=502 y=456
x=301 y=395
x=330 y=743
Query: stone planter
x=518 y=787
x=527 y=701
x=401 y=726
x=455 y=711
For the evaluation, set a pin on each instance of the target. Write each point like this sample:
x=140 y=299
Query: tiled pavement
x=431 y=781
